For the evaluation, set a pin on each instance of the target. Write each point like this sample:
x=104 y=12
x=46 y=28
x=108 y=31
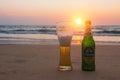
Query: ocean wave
x=20 y=31
x=107 y=33
x=51 y=29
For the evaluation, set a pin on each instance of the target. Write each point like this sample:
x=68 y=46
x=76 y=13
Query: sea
x=46 y=34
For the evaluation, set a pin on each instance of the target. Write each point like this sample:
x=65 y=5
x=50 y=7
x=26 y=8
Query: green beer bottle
x=88 y=49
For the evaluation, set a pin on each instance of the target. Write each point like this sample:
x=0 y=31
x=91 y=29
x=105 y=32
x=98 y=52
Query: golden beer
x=65 y=61
x=65 y=58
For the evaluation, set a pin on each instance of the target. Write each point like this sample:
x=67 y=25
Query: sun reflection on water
x=77 y=39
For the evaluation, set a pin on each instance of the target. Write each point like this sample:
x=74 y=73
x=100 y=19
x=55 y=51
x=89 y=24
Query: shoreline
x=52 y=39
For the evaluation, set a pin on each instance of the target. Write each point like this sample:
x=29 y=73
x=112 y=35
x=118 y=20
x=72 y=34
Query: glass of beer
x=64 y=33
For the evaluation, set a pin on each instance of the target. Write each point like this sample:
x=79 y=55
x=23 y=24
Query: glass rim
x=64 y=23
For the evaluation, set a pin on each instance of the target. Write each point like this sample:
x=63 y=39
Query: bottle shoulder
x=88 y=41
x=88 y=38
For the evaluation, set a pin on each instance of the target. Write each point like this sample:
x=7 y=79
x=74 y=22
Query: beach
x=40 y=61
x=33 y=31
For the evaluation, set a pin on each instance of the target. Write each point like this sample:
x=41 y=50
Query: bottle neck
x=88 y=31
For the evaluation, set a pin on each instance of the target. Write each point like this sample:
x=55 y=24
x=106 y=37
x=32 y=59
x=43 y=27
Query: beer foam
x=65 y=40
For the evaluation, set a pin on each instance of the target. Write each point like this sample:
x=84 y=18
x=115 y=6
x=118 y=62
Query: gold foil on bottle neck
x=88 y=30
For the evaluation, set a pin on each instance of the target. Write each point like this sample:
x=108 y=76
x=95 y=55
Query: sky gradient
x=51 y=11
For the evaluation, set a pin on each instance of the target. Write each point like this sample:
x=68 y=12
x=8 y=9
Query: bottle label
x=88 y=49
x=89 y=55
x=89 y=52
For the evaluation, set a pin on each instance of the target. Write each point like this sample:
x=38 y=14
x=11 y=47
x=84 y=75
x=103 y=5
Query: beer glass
x=64 y=33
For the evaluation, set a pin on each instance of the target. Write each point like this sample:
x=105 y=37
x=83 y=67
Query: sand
x=39 y=62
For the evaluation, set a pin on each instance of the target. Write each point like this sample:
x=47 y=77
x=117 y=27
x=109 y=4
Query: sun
x=78 y=21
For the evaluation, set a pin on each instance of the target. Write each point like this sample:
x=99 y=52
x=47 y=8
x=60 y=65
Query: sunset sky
x=100 y=12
